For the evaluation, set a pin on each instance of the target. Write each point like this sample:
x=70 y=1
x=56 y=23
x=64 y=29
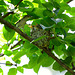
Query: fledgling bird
x=37 y=32
x=22 y=22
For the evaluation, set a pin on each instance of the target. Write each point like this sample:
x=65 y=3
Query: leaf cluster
x=53 y=17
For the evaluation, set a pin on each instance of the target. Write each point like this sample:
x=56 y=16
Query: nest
x=37 y=32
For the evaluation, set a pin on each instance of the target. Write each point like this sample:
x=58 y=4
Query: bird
x=36 y=32
x=20 y=24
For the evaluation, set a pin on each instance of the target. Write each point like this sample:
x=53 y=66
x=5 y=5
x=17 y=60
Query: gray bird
x=20 y=24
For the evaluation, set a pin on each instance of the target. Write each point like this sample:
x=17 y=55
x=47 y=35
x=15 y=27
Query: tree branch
x=11 y=11
x=69 y=1
x=15 y=49
x=59 y=61
x=1 y=54
x=18 y=3
x=8 y=14
x=73 y=67
x=9 y=64
x=15 y=29
x=16 y=44
x=30 y=39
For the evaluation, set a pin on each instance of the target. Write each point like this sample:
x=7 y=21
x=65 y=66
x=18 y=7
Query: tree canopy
x=52 y=14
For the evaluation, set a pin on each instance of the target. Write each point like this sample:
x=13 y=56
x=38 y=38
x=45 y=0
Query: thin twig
x=12 y=12
x=9 y=64
x=73 y=67
x=18 y=3
x=16 y=44
x=1 y=54
x=69 y=1
x=8 y=14
x=15 y=49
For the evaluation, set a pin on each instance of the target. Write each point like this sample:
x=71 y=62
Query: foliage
x=49 y=14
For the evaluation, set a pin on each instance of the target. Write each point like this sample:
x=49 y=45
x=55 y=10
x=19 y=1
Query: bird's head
x=35 y=27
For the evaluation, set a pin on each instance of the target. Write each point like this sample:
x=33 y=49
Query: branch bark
x=59 y=61
x=15 y=29
x=12 y=12
x=30 y=39
x=1 y=54
x=16 y=44
x=8 y=14
x=18 y=3
x=69 y=1
x=9 y=64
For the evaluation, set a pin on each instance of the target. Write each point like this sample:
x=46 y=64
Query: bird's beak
x=30 y=26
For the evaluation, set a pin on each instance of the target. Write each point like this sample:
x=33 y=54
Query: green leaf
x=48 y=5
x=65 y=6
x=70 y=23
x=8 y=53
x=27 y=30
x=56 y=5
x=59 y=50
x=14 y=52
x=68 y=73
x=5 y=47
x=8 y=62
x=70 y=37
x=20 y=69
x=42 y=1
x=18 y=55
x=8 y=33
x=37 y=1
x=71 y=51
x=47 y=13
x=72 y=11
x=61 y=31
x=68 y=60
x=39 y=11
x=66 y=1
x=23 y=4
x=64 y=17
x=2 y=2
x=28 y=6
x=15 y=2
x=29 y=53
x=60 y=24
x=12 y=19
x=3 y=8
x=36 y=21
x=60 y=11
x=12 y=71
x=26 y=66
x=18 y=61
x=36 y=68
x=1 y=71
x=45 y=60
x=0 y=50
x=47 y=21
x=33 y=61
x=28 y=45
x=58 y=67
x=56 y=42
x=73 y=43
x=33 y=49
